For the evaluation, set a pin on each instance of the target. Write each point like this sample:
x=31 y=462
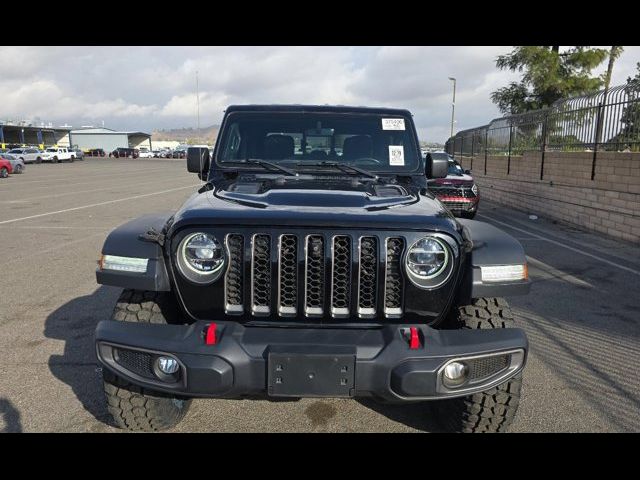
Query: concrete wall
x=609 y=204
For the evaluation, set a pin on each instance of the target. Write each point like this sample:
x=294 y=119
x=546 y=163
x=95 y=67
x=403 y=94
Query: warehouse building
x=109 y=140
x=18 y=135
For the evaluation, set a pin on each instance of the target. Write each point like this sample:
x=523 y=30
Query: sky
x=148 y=88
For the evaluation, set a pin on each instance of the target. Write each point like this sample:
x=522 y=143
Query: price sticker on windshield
x=396 y=155
x=393 y=123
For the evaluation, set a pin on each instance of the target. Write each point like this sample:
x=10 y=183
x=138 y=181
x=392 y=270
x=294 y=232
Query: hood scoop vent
x=252 y=188
x=389 y=191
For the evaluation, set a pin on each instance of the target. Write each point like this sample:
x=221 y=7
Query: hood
x=342 y=203
x=453 y=180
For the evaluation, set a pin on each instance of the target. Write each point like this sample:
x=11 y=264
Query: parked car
x=96 y=152
x=284 y=276
x=28 y=155
x=17 y=164
x=178 y=153
x=58 y=154
x=79 y=154
x=458 y=191
x=145 y=153
x=5 y=168
x=122 y=152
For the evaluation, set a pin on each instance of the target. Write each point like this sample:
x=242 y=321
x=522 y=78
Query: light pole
x=198 y=103
x=453 y=105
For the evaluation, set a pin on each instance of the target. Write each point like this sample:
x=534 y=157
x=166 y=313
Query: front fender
x=124 y=241
x=491 y=246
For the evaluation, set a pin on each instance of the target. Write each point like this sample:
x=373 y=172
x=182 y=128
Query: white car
x=27 y=155
x=145 y=153
x=57 y=154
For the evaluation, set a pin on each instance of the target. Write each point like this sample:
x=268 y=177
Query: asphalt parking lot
x=581 y=317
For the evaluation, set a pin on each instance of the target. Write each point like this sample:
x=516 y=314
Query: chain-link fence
x=608 y=120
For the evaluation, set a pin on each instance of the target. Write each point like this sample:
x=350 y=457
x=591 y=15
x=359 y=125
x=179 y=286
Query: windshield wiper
x=343 y=167
x=267 y=165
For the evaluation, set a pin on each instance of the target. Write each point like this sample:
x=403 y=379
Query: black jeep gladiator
x=313 y=262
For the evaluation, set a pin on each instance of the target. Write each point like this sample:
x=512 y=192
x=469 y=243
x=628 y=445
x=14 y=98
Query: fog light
x=168 y=365
x=455 y=374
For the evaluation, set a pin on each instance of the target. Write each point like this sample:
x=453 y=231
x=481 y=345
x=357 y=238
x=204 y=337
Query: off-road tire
x=494 y=409
x=133 y=407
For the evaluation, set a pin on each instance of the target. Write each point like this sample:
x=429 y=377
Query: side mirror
x=468 y=172
x=198 y=161
x=437 y=167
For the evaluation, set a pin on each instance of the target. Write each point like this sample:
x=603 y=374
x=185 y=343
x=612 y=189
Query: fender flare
x=124 y=241
x=491 y=246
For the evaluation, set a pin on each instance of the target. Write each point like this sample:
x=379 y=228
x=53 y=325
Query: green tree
x=614 y=53
x=547 y=76
x=629 y=134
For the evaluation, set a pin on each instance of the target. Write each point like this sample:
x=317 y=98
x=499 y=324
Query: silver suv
x=28 y=155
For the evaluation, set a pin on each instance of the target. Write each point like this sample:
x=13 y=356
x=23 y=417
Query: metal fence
x=608 y=120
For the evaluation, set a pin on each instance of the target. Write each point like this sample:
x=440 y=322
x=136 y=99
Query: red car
x=457 y=190
x=5 y=168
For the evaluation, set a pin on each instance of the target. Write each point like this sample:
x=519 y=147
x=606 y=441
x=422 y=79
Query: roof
x=317 y=108
x=105 y=131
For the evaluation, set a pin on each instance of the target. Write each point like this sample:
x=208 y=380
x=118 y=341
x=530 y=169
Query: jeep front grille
x=316 y=275
x=261 y=275
x=233 y=277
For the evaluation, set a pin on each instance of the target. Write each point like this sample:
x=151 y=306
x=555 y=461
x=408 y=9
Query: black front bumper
x=247 y=361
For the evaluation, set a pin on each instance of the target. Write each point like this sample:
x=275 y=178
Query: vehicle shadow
x=9 y=417
x=415 y=415
x=75 y=323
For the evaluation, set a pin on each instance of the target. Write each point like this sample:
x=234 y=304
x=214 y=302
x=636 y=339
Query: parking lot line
x=4 y=222
x=564 y=245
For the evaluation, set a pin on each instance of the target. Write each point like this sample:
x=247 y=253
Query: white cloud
x=144 y=88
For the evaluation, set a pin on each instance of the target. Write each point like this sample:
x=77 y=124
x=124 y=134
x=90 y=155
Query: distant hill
x=187 y=135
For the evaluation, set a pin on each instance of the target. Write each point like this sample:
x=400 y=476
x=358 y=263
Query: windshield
x=375 y=142
x=15 y=150
x=52 y=149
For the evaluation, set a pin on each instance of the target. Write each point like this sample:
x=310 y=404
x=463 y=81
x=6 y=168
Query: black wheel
x=4 y=173
x=493 y=410
x=133 y=407
x=72 y=159
x=55 y=160
x=17 y=169
x=38 y=160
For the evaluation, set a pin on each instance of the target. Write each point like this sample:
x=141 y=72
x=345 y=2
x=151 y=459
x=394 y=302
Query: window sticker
x=396 y=155
x=393 y=123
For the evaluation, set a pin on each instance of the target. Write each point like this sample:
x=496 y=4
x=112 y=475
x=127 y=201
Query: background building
x=20 y=134
x=109 y=140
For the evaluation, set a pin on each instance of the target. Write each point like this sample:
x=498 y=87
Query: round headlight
x=200 y=257
x=427 y=257
x=428 y=262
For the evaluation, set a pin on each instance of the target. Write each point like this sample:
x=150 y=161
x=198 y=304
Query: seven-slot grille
x=342 y=275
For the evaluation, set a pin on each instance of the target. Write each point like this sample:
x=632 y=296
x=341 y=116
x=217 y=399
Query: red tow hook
x=414 y=339
x=210 y=334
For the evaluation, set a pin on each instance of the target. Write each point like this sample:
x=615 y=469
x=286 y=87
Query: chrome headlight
x=200 y=258
x=429 y=262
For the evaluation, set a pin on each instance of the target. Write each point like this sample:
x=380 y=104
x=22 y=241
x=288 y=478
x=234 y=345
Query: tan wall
x=609 y=204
